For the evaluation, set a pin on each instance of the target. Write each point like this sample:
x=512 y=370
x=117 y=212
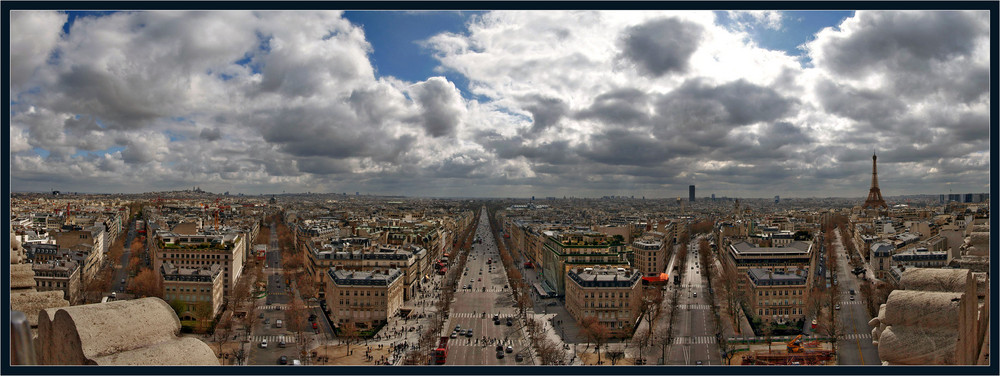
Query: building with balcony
x=778 y=296
x=202 y=250
x=195 y=286
x=578 y=249
x=366 y=299
x=611 y=295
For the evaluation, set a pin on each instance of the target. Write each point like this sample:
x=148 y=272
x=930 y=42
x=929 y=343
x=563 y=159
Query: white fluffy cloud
x=562 y=103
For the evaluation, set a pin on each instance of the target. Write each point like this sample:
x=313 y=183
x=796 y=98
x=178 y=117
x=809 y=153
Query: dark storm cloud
x=323 y=166
x=904 y=40
x=121 y=103
x=550 y=153
x=545 y=112
x=328 y=131
x=660 y=46
x=620 y=147
x=210 y=134
x=739 y=102
x=626 y=106
x=440 y=105
x=869 y=106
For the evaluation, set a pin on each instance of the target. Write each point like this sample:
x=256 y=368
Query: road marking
x=272 y=338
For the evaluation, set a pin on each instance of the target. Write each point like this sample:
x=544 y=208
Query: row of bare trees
x=421 y=354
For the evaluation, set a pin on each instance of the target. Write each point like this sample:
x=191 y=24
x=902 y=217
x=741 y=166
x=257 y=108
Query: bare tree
x=652 y=306
x=768 y=332
x=297 y=324
x=222 y=332
x=596 y=333
x=349 y=332
x=147 y=283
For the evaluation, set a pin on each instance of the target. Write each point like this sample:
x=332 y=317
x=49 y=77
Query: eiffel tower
x=874 y=195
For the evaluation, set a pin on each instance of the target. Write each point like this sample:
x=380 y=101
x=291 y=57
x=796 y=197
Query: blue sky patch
x=395 y=37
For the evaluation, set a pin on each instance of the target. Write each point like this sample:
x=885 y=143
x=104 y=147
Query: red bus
x=528 y=265
x=441 y=352
x=442 y=271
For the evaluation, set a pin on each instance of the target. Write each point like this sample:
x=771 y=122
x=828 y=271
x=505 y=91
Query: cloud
x=36 y=37
x=545 y=112
x=440 y=105
x=210 y=134
x=556 y=103
x=661 y=46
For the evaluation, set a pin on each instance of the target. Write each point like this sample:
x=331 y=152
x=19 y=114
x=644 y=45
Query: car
x=263 y=344
x=696 y=295
x=267 y=321
x=261 y=315
x=315 y=325
x=114 y=295
x=454 y=334
x=552 y=304
x=499 y=354
x=123 y=281
x=837 y=307
x=510 y=349
x=480 y=279
x=496 y=317
x=283 y=360
x=518 y=358
x=852 y=291
x=510 y=322
x=469 y=333
x=458 y=327
x=499 y=348
x=282 y=344
x=496 y=322
x=852 y=297
x=697 y=363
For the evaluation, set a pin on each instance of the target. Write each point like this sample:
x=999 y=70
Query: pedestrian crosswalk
x=693 y=306
x=867 y=336
x=272 y=339
x=479 y=290
x=471 y=315
x=694 y=340
x=850 y=302
x=270 y=307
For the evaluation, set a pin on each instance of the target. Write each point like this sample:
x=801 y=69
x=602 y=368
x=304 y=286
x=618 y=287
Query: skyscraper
x=691 y=193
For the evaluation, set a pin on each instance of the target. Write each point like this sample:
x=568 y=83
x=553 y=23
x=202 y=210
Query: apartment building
x=89 y=241
x=743 y=256
x=366 y=299
x=578 y=249
x=194 y=286
x=611 y=295
x=359 y=255
x=650 y=253
x=59 y=275
x=881 y=258
x=778 y=296
x=202 y=250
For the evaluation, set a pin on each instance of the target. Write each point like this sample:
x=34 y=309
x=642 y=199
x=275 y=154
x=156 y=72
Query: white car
x=263 y=344
x=837 y=307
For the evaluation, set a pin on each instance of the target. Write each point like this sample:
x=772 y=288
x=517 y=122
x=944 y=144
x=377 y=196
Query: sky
x=501 y=103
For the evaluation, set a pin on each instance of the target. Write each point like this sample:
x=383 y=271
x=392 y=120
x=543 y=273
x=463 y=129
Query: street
x=475 y=308
x=855 y=344
x=121 y=275
x=694 y=334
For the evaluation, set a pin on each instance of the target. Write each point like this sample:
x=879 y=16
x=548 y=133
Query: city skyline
x=501 y=104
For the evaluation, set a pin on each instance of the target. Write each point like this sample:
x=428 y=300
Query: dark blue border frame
x=992 y=6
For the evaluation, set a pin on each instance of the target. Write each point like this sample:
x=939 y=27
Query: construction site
x=794 y=352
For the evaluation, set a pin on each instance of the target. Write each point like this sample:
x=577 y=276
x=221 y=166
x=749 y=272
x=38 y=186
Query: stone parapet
x=33 y=302
x=130 y=332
